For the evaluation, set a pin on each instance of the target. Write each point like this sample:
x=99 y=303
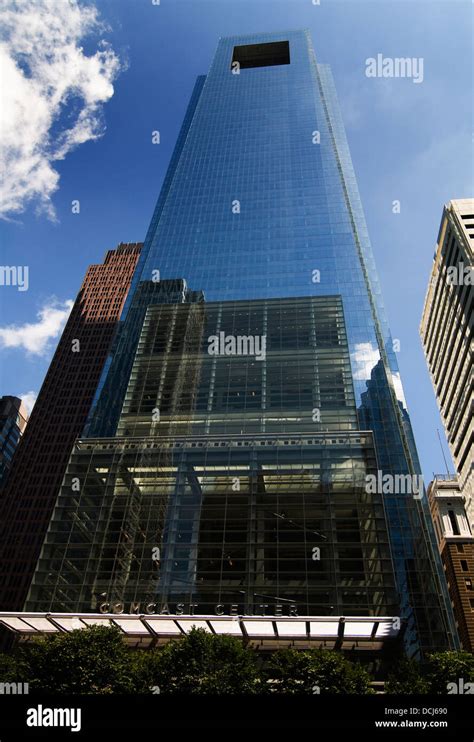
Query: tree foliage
x=406 y=678
x=201 y=663
x=315 y=671
x=449 y=667
x=440 y=669
x=97 y=661
x=94 y=660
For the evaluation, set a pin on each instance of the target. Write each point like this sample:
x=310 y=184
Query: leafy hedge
x=96 y=661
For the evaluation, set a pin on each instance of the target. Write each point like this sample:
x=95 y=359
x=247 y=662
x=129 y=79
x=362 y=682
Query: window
x=454 y=522
x=464 y=565
x=468 y=583
x=262 y=55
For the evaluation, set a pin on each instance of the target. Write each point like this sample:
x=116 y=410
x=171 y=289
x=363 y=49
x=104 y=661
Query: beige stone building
x=447 y=335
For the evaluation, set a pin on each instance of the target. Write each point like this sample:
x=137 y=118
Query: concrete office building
x=447 y=335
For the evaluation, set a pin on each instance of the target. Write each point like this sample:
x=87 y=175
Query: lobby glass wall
x=247 y=525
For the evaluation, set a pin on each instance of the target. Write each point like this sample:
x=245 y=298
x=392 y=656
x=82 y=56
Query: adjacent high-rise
x=58 y=417
x=447 y=330
x=447 y=335
x=210 y=477
x=456 y=545
x=13 y=419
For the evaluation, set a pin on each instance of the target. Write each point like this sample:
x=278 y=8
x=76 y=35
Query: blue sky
x=409 y=142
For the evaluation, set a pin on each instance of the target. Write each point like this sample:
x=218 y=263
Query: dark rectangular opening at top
x=262 y=55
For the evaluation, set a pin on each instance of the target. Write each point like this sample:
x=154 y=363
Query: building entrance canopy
x=263 y=632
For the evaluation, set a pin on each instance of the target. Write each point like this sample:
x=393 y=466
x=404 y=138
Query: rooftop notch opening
x=262 y=55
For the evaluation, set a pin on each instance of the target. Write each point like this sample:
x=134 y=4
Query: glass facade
x=187 y=525
x=221 y=492
x=114 y=380
x=292 y=373
x=260 y=201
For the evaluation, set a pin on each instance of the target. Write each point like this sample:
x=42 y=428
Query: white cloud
x=43 y=70
x=36 y=337
x=29 y=399
x=364 y=358
x=397 y=383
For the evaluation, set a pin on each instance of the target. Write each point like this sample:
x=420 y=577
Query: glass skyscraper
x=260 y=202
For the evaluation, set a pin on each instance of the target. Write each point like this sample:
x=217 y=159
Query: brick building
x=58 y=418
